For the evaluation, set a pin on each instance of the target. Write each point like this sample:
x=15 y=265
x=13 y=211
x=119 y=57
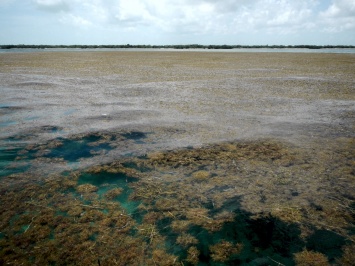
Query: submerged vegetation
x=149 y=158
x=233 y=203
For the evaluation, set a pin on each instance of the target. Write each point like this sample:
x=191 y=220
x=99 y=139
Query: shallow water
x=148 y=158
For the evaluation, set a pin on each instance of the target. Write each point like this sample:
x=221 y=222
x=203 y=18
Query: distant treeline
x=185 y=46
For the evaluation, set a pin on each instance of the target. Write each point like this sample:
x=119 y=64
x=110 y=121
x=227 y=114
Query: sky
x=164 y=22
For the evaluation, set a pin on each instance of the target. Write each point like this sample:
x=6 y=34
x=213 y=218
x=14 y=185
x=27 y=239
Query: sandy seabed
x=177 y=158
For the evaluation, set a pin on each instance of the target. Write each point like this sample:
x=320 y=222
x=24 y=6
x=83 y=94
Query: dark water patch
x=294 y=194
x=73 y=150
x=98 y=179
x=12 y=169
x=112 y=186
x=33 y=132
x=326 y=242
x=48 y=129
x=282 y=238
x=17 y=155
x=61 y=213
x=18 y=137
x=10 y=162
x=243 y=241
x=134 y=135
x=93 y=237
x=135 y=166
x=33 y=84
x=7 y=107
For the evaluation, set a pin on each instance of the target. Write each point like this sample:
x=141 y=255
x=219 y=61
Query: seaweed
x=310 y=258
x=222 y=204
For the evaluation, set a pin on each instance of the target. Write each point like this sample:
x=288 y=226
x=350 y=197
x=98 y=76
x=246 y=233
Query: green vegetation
x=182 y=46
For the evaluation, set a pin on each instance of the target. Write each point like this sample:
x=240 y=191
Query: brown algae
x=221 y=203
x=267 y=179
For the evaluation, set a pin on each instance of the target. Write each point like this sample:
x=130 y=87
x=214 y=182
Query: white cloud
x=186 y=16
x=340 y=16
x=132 y=13
x=341 y=8
x=234 y=16
x=95 y=10
x=75 y=20
x=186 y=20
x=52 y=5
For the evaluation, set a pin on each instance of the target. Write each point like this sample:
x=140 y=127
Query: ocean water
x=166 y=158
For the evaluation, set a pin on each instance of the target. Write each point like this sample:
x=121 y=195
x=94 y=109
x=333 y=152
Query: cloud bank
x=209 y=15
x=285 y=20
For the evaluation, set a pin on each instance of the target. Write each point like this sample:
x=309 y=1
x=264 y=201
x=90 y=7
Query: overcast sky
x=248 y=22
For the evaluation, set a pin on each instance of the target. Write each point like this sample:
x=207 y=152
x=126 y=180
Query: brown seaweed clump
x=192 y=255
x=287 y=214
x=162 y=258
x=186 y=240
x=222 y=251
x=86 y=188
x=49 y=223
x=348 y=257
x=113 y=193
x=200 y=176
x=310 y=258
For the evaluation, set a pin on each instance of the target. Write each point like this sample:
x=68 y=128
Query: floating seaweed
x=222 y=204
x=310 y=258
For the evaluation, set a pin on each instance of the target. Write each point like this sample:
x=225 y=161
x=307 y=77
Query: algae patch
x=236 y=203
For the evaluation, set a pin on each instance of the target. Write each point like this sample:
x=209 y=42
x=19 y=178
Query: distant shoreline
x=187 y=46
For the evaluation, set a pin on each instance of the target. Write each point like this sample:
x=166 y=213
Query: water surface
x=169 y=158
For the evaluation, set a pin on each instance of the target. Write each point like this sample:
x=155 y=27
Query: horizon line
x=175 y=46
